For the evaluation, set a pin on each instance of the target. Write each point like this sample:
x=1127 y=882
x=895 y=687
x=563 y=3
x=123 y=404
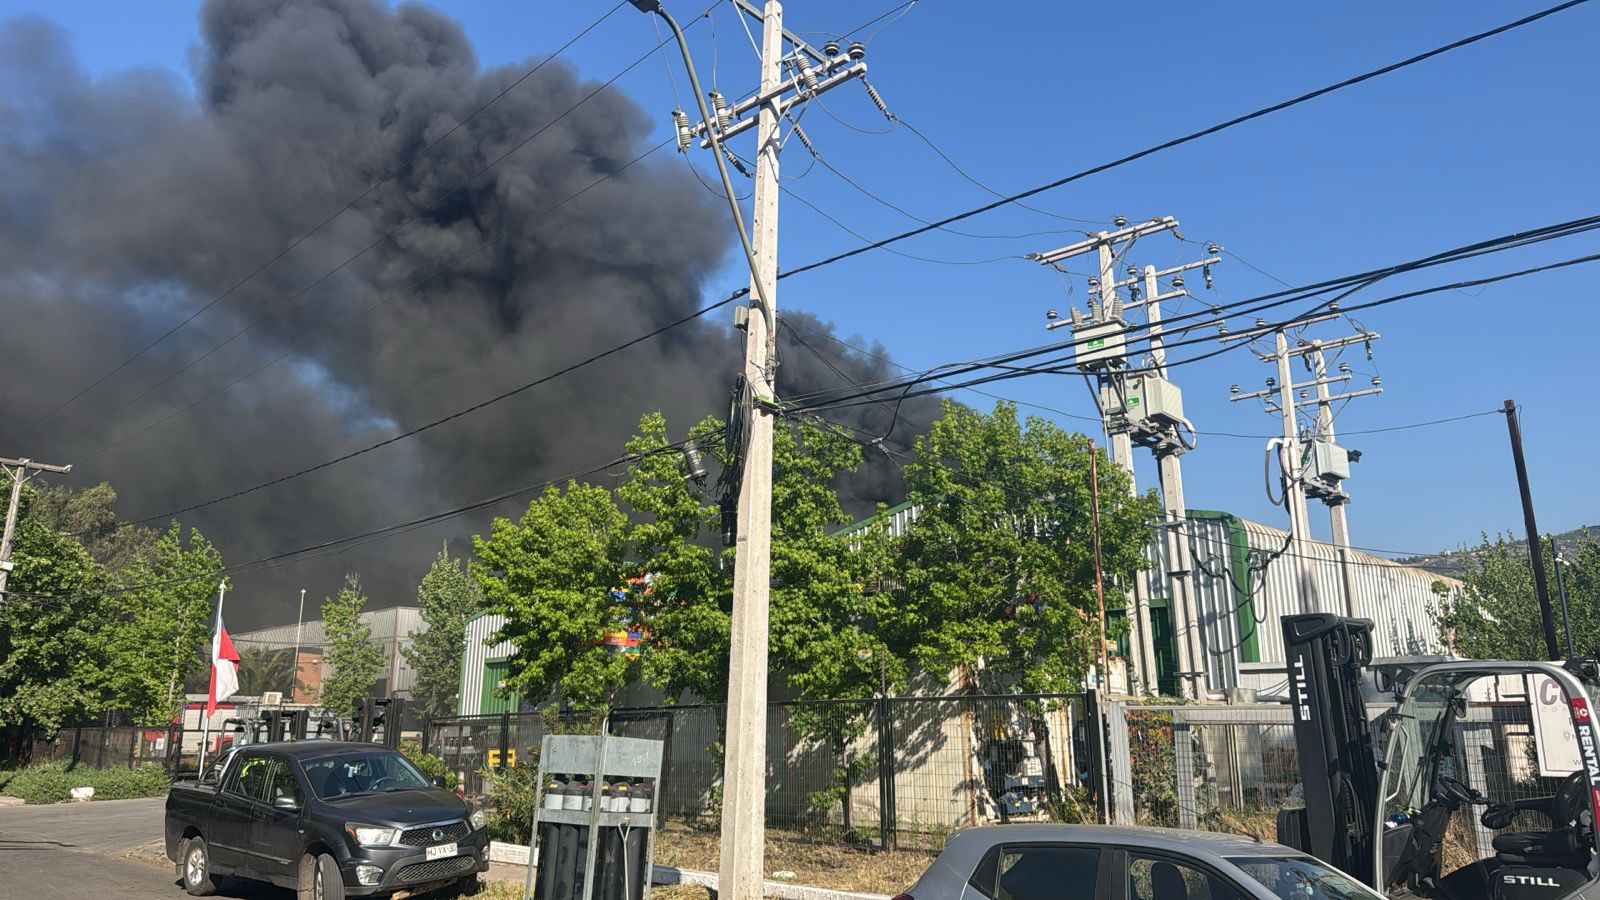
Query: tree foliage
x=551 y=575
x=448 y=598
x=998 y=567
x=53 y=652
x=1496 y=613
x=355 y=659
x=163 y=633
x=263 y=669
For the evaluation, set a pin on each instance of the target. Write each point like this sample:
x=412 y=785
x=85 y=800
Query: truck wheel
x=194 y=866
x=326 y=882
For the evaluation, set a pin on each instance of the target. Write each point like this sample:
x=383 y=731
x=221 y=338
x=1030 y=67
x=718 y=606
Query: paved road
x=74 y=851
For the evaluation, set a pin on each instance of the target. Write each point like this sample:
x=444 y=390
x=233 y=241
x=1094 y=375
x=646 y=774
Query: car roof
x=1173 y=840
x=302 y=749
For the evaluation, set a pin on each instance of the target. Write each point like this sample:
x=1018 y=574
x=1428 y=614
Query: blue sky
x=1487 y=140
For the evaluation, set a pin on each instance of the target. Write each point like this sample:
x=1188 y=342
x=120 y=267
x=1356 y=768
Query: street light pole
x=1561 y=592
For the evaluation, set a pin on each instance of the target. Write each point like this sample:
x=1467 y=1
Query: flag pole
x=205 y=711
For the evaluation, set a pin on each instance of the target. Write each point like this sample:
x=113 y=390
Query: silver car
x=1093 y=862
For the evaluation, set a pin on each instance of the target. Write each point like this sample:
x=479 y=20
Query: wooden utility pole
x=19 y=471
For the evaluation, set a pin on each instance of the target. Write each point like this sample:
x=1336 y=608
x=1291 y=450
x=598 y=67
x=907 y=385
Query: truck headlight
x=370 y=835
x=478 y=819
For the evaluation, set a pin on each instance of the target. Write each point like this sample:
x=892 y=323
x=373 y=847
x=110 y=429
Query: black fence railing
x=884 y=771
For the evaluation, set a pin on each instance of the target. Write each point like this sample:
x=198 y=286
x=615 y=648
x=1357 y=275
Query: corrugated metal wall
x=478 y=654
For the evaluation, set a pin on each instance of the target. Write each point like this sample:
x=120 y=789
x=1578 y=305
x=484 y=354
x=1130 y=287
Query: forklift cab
x=1509 y=815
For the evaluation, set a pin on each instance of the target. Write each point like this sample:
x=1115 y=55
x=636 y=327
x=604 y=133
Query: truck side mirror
x=437 y=780
x=288 y=803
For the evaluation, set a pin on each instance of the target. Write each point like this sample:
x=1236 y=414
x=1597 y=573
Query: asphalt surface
x=78 y=851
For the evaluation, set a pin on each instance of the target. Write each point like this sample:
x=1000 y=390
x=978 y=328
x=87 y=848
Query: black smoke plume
x=127 y=202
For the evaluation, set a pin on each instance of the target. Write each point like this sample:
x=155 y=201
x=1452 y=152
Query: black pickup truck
x=327 y=819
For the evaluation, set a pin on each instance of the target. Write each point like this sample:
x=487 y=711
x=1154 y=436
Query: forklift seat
x=1560 y=848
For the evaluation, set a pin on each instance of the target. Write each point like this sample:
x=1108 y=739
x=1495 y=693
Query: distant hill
x=1450 y=562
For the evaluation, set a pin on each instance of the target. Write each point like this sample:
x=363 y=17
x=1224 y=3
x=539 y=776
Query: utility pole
x=299 y=620
x=1312 y=464
x=1561 y=591
x=19 y=471
x=1143 y=409
x=1535 y=552
x=811 y=73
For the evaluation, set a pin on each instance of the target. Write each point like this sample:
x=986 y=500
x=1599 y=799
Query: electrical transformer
x=1100 y=344
x=1328 y=462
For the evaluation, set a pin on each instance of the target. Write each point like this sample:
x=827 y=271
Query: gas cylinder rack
x=617 y=832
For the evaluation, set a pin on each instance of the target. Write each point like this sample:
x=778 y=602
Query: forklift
x=1384 y=817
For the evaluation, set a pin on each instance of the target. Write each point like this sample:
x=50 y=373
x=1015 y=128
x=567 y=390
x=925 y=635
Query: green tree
x=53 y=651
x=355 y=659
x=551 y=575
x=163 y=634
x=830 y=635
x=263 y=669
x=89 y=515
x=687 y=606
x=998 y=567
x=1495 y=615
x=449 y=598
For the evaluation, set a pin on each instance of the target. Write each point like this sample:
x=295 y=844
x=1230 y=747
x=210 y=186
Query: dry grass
x=505 y=890
x=817 y=865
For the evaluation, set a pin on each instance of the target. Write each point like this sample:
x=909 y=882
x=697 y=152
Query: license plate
x=441 y=851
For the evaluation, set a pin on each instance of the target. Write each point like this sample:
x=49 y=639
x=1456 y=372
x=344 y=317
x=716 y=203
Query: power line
x=414 y=217
x=1272 y=300
x=329 y=220
x=1192 y=136
x=1053 y=367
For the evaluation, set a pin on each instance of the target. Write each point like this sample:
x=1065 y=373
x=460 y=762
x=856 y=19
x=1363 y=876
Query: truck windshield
x=1303 y=878
x=371 y=772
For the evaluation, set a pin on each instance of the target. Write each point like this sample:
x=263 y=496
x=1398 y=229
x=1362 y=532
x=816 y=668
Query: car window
x=1037 y=872
x=362 y=773
x=1303 y=878
x=284 y=783
x=249 y=777
x=1152 y=877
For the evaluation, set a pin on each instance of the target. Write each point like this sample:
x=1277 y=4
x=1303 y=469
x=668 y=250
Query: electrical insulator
x=1222 y=328
x=830 y=49
x=801 y=134
x=1304 y=393
x=1333 y=306
x=1233 y=389
x=857 y=50
x=1212 y=249
x=1260 y=322
x=1369 y=350
x=1133 y=271
x=680 y=119
x=719 y=104
x=1077 y=317
x=1344 y=367
x=1051 y=315
x=1376 y=381
x=1272 y=382
x=1206 y=271
x=1094 y=285
x=808 y=76
x=1177 y=282
x=1114 y=307
x=877 y=100
x=1133 y=292
x=1120 y=221
x=734 y=161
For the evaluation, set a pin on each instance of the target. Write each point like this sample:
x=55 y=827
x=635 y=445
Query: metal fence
x=886 y=771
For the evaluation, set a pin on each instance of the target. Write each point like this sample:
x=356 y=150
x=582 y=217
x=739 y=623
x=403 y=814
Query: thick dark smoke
x=126 y=204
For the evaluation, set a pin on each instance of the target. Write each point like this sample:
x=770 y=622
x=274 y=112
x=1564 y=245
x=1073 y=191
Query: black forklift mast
x=1338 y=770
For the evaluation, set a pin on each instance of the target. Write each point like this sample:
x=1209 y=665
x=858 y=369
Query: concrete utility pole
x=1535 y=551
x=1313 y=465
x=19 y=471
x=811 y=73
x=1145 y=410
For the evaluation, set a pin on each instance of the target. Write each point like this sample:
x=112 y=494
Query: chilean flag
x=224 y=667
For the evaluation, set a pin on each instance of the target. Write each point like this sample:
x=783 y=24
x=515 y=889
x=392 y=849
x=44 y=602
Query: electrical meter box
x=1155 y=399
x=1329 y=462
x=1100 y=344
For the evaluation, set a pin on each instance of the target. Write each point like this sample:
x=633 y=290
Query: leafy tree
x=355 y=659
x=998 y=567
x=551 y=575
x=1496 y=614
x=53 y=653
x=263 y=669
x=448 y=597
x=89 y=515
x=690 y=596
x=829 y=634
x=165 y=629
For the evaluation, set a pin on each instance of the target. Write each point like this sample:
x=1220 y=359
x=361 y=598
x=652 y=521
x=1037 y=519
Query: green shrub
x=512 y=793
x=430 y=765
x=53 y=782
